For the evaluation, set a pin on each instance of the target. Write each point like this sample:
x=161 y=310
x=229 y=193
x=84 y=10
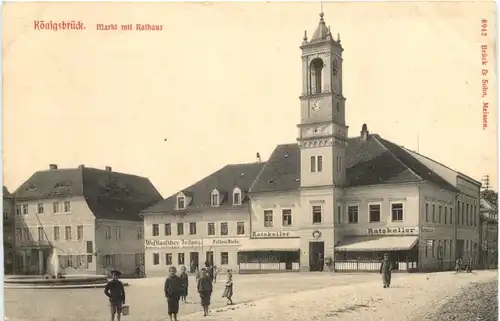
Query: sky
x=221 y=82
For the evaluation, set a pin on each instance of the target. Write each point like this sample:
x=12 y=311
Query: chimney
x=364 y=132
x=108 y=169
x=81 y=166
x=258 y=158
x=53 y=167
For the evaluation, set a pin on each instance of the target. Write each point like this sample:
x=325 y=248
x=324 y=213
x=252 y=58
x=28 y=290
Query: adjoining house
x=8 y=231
x=207 y=221
x=489 y=234
x=88 y=216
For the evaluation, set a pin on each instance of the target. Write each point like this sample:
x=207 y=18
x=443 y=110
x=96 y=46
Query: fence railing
x=370 y=266
x=261 y=266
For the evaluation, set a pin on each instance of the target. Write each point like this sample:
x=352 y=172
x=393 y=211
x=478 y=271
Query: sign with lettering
x=393 y=231
x=173 y=243
x=209 y=242
x=273 y=234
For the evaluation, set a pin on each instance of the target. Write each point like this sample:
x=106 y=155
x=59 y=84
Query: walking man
x=386 y=270
x=115 y=291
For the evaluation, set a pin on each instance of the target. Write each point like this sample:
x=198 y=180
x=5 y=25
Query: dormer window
x=237 y=196
x=215 y=200
x=181 y=203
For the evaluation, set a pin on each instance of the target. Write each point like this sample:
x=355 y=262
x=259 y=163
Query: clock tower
x=322 y=130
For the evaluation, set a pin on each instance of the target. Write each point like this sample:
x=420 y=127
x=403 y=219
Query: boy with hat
x=115 y=291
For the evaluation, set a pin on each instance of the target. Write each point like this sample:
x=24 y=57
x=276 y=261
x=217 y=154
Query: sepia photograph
x=250 y=161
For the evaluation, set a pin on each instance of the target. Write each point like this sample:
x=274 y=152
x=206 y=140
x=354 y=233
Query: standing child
x=205 y=290
x=173 y=288
x=184 y=284
x=116 y=293
x=228 y=291
x=215 y=273
x=198 y=275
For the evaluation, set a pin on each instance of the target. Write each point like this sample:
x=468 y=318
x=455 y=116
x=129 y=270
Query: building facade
x=81 y=220
x=489 y=235
x=206 y=222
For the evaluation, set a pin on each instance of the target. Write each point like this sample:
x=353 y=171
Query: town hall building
x=334 y=202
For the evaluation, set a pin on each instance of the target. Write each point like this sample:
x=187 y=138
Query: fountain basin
x=67 y=282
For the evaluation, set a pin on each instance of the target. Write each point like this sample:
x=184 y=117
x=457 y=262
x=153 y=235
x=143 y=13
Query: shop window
x=224 y=258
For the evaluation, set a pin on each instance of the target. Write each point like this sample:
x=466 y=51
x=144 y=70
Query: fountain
x=55 y=280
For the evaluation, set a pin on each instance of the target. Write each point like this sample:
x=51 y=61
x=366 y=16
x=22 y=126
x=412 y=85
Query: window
x=451 y=216
x=27 y=234
x=352 y=213
x=118 y=232
x=180 y=202
x=268 y=218
x=427 y=212
x=397 y=211
x=156 y=258
x=313 y=164
x=18 y=210
x=429 y=248
x=440 y=209
x=5 y=215
x=433 y=213
x=67 y=206
x=240 y=228
x=67 y=233
x=468 y=216
x=445 y=243
x=25 y=209
x=57 y=233
x=211 y=228
x=140 y=233
x=55 y=207
x=463 y=213
x=40 y=234
x=445 y=215
x=215 y=199
x=156 y=229
x=192 y=228
x=19 y=234
x=168 y=228
x=339 y=214
x=458 y=212
x=39 y=208
x=224 y=258
x=180 y=258
x=107 y=232
x=319 y=161
x=223 y=228
x=317 y=213
x=432 y=248
x=180 y=228
x=79 y=232
x=287 y=217
x=237 y=198
x=168 y=259
x=374 y=210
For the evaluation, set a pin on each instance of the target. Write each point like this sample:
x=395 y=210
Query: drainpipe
x=419 y=224
x=455 y=228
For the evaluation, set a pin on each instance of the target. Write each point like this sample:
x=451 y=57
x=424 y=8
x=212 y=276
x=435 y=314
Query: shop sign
x=427 y=229
x=273 y=234
x=173 y=243
x=393 y=231
x=221 y=242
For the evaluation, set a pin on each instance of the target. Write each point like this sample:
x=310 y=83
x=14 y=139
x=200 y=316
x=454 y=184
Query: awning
x=376 y=243
x=286 y=244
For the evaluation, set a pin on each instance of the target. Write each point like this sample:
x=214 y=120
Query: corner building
x=207 y=221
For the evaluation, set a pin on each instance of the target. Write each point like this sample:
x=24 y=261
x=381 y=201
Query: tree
x=491 y=196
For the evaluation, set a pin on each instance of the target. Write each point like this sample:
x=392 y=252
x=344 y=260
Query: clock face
x=315 y=105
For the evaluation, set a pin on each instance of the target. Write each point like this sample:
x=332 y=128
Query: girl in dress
x=184 y=283
x=228 y=291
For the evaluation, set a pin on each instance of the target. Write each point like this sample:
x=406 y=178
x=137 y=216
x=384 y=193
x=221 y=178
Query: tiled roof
x=224 y=180
x=368 y=162
x=109 y=195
